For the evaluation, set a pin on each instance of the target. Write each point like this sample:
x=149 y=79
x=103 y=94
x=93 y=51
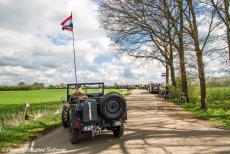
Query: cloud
x=33 y=48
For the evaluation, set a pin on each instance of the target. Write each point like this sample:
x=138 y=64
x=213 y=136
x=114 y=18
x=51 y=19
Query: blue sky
x=33 y=47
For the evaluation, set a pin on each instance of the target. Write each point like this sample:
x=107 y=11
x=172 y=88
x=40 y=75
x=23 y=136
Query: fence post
x=26 y=111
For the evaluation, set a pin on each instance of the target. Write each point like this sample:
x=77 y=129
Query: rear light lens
x=77 y=124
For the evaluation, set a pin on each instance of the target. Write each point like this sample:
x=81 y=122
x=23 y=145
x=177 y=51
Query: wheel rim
x=113 y=106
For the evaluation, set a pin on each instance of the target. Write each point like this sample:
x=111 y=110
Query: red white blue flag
x=67 y=24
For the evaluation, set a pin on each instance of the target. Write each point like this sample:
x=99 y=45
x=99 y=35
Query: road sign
x=163 y=74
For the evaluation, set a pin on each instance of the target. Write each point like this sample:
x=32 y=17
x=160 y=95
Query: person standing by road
x=166 y=92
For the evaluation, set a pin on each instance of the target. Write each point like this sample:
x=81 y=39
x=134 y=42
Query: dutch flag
x=67 y=24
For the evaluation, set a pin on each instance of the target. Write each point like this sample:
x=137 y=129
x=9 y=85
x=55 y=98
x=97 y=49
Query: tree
x=192 y=29
x=222 y=9
x=51 y=87
x=137 y=27
x=199 y=53
x=179 y=29
x=62 y=86
x=167 y=31
x=37 y=85
x=20 y=84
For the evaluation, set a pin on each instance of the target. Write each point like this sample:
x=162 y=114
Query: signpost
x=164 y=75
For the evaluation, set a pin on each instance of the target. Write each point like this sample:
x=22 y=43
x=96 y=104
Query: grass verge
x=218 y=101
x=218 y=117
x=14 y=136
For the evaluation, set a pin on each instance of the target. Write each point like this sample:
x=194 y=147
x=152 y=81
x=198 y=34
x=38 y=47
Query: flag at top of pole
x=67 y=24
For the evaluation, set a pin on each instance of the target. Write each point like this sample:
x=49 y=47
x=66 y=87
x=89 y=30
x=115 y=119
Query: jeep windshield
x=90 y=89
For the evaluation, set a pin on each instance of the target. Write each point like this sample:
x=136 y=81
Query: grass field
x=39 y=96
x=33 y=96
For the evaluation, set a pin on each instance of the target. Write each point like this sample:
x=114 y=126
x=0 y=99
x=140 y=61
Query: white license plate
x=88 y=128
x=117 y=123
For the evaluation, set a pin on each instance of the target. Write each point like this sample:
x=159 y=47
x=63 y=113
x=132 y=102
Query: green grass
x=218 y=100
x=33 y=96
x=13 y=136
x=218 y=117
x=40 y=96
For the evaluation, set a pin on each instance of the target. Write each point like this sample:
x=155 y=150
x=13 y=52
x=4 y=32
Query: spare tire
x=112 y=106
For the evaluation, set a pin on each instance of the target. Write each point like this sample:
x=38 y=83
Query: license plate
x=88 y=128
x=117 y=123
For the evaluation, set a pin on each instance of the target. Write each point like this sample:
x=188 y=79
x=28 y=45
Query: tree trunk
x=228 y=39
x=181 y=51
x=167 y=74
x=227 y=15
x=200 y=63
x=171 y=64
x=172 y=74
x=169 y=30
x=199 y=55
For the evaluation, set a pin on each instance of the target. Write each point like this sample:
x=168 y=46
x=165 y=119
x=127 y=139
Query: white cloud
x=33 y=48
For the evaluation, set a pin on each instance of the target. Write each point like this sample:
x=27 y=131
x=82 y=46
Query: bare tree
x=180 y=34
x=222 y=9
x=192 y=29
x=175 y=16
x=162 y=30
x=141 y=30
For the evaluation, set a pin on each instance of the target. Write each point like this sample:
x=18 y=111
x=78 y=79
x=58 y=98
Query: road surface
x=154 y=126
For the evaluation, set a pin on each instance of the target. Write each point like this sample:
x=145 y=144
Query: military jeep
x=97 y=113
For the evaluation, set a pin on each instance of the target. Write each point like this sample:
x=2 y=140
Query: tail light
x=77 y=124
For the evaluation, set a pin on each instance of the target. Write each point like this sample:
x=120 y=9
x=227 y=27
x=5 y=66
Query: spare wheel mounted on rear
x=112 y=106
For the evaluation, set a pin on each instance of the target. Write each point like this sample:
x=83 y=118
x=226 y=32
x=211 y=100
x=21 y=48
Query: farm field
x=39 y=96
x=33 y=96
x=12 y=102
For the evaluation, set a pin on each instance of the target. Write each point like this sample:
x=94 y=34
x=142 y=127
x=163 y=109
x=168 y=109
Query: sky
x=33 y=47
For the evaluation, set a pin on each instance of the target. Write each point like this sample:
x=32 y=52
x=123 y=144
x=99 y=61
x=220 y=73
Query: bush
x=219 y=97
x=193 y=91
x=216 y=97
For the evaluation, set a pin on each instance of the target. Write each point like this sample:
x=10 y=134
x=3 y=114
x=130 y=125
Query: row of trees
x=34 y=86
x=23 y=86
x=170 y=31
x=42 y=85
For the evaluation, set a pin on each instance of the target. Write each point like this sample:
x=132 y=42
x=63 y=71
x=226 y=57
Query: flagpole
x=75 y=67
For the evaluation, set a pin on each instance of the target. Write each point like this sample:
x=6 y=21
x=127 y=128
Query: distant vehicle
x=154 y=88
x=99 y=112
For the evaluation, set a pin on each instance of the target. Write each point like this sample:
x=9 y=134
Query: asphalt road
x=154 y=126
